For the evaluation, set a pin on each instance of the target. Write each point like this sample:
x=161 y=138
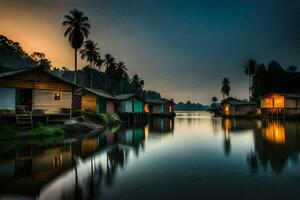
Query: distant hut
x=159 y=106
x=232 y=107
x=129 y=103
x=280 y=104
x=36 y=91
x=97 y=101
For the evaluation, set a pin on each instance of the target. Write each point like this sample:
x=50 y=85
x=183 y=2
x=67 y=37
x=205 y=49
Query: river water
x=192 y=156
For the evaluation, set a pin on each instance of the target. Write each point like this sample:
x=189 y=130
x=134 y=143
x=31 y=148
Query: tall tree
x=292 y=68
x=109 y=61
x=77 y=29
x=90 y=52
x=121 y=68
x=225 y=89
x=214 y=99
x=249 y=69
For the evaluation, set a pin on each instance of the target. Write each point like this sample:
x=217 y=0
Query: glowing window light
x=146 y=108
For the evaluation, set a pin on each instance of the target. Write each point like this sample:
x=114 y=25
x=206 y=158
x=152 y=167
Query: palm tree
x=249 y=69
x=214 y=99
x=109 y=61
x=122 y=69
x=90 y=52
x=225 y=87
x=77 y=29
x=99 y=61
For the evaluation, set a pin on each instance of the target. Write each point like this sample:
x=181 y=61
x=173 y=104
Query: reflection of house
x=36 y=90
x=277 y=143
x=161 y=125
x=159 y=106
x=232 y=107
x=129 y=103
x=278 y=104
x=95 y=101
x=237 y=125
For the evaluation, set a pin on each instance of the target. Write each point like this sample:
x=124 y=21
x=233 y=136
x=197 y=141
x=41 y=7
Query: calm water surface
x=190 y=157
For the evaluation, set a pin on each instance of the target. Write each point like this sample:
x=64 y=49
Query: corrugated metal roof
x=233 y=101
x=127 y=96
x=287 y=95
x=159 y=101
x=96 y=92
x=11 y=73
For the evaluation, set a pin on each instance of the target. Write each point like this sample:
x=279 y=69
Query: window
x=57 y=96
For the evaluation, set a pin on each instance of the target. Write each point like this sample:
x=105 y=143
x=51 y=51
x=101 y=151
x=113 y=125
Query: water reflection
x=273 y=143
x=277 y=143
x=143 y=162
x=75 y=169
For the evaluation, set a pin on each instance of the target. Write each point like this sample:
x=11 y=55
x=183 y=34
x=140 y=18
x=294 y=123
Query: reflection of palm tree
x=249 y=69
x=77 y=29
x=252 y=162
x=227 y=145
x=90 y=53
x=225 y=87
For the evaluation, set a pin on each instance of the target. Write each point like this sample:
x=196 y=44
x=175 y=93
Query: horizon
x=184 y=49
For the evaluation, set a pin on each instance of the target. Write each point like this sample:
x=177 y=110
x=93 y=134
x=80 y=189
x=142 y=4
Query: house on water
x=232 y=107
x=277 y=104
x=35 y=91
x=129 y=103
x=93 y=100
x=159 y=106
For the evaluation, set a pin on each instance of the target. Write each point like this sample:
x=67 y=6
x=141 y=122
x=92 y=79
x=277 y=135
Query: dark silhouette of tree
x=214 y=99
x=249 y=69
x=292 y=68
x=90 y=52
x=99 y=62
x=109 y=63
x=41 y=60
x=77 y=29
x=121 y=68
x=225 y=89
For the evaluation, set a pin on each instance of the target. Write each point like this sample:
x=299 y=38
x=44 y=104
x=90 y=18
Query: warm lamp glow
x=275 y=133
x=146 y=108
x=146 y=130
x=227 y=109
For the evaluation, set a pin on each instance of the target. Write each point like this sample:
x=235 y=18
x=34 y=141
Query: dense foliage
x=274 y=78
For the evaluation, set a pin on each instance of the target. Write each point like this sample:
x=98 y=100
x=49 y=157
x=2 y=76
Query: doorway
x=24 y=99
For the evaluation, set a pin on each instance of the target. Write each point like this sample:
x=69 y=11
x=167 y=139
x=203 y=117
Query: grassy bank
x=104 y=119
x=10 y=132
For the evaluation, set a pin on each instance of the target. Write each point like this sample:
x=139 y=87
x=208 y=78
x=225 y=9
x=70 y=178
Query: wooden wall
x=89 y=102
x=138 y=105
x=128 y=106
x=44 y=99
x=110 y=106
x=157 y=108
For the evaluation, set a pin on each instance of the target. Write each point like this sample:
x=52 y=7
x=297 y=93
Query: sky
x=181 y=48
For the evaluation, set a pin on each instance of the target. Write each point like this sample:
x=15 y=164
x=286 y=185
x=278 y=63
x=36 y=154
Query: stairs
x=24 y=121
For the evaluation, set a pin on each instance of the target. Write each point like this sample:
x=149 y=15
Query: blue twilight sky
x=181 y=48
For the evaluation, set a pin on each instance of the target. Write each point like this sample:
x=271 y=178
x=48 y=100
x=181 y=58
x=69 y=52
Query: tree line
x=114 y=79
x=264 y=79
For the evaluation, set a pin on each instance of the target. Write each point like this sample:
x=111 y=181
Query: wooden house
x=95 y=100
x=232 y=107
x=34 y=90
x=129 y=103
x=159 y=106
x=279 y=104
